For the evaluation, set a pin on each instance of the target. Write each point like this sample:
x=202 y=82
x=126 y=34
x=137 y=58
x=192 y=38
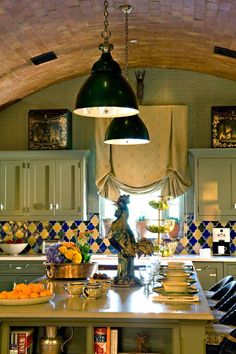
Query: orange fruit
x=24 y=296
x=45 y=293
x=20 y=287
x=36 y=287
x=27 y=290
x=13 y=295
x=33 y=295
x=3 y=295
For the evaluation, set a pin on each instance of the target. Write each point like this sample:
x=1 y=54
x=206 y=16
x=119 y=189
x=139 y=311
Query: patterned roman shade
x=163 y=163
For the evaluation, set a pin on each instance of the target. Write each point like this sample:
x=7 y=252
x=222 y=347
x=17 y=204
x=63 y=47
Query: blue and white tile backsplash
x=197 y=235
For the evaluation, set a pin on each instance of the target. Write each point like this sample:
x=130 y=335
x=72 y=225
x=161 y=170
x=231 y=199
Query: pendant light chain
x=106 y=34
x=126 y=43
x=126 y=9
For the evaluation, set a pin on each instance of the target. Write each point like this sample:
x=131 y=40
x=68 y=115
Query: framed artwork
x=49 y=129
x=224 y=126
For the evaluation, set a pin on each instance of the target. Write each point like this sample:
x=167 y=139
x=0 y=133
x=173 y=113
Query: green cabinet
x=13 y=188
x=19 y=272
x=209 y=273
x=214 y=187
x=230 y=269
x=43 y=184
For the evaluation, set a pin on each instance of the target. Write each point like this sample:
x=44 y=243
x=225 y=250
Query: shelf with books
x=21 y=341
x=132 y=340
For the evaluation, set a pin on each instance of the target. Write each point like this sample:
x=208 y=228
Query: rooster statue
x=122 y=239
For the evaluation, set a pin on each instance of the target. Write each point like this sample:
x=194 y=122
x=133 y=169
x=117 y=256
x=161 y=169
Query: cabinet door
x=41 y=187
x=13 y=198
x=230 y=269
x=216 y=188
x=68 y=192
x=208 y=273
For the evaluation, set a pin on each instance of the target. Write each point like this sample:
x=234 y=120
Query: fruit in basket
x=26 y=291
x=156 y=229
x=161 y=204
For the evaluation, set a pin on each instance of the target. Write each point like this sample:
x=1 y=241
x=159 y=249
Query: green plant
x=141 y=218
x=177 y=220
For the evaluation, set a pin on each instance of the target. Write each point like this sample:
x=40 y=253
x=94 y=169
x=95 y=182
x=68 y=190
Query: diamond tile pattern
x=197 y=235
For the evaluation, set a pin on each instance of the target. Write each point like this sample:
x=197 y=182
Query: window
x=138 y=208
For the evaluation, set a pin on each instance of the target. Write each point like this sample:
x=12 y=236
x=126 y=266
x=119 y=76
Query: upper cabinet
x=214 y=184
x=13 y=177
x=40 y=184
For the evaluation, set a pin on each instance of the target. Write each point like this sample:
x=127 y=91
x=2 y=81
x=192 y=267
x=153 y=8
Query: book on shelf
x=114 y=341
x=21 y=341
x=102 y=340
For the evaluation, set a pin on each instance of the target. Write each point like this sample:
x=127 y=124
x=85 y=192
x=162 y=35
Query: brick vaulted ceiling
x=177 y=34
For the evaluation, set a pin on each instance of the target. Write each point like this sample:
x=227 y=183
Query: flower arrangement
x=70 y=252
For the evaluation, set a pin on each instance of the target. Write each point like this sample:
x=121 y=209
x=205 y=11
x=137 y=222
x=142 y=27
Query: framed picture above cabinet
x=224 y=126
x=50 y=129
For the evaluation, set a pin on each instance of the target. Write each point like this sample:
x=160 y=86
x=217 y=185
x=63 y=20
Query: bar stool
x=218 y=285
x=217 y=332
x=221 y=295
x=227 y=305
x=227 y=346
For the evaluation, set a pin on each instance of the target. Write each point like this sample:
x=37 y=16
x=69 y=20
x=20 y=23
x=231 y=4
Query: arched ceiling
x=177 y=34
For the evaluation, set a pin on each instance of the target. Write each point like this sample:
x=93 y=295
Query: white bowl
x=13 y=248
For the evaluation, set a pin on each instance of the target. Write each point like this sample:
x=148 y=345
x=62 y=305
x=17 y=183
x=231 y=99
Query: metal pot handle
x=51 y=271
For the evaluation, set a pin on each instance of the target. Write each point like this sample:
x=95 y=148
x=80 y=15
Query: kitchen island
x=171 y=328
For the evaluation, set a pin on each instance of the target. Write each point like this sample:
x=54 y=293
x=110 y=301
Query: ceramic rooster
x=122 y=239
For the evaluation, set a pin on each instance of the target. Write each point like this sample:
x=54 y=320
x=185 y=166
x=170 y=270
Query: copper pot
x=70 y=270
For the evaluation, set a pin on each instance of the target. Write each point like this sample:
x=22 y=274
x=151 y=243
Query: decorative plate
x=191 y=291
x=188 y=280
x=33 y=301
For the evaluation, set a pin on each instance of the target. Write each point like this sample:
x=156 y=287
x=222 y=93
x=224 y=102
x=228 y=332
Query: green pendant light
x=127 y=131
x=106 y=92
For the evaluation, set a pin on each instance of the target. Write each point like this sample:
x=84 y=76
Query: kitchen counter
x=112 y=259
x=121 y=307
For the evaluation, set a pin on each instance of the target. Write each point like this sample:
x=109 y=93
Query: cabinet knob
x=213 y=275
x=1 y=206
x=54 y=206
x=234 y=205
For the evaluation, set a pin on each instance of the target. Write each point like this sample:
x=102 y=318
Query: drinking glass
x=146 y=276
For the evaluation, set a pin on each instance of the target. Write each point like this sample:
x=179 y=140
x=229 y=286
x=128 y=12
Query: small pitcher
x=52 y=343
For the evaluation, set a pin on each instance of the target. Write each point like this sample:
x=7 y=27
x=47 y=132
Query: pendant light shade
x=106 y=92
x=127 y=131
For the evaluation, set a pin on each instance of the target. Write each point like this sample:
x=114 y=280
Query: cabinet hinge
x=79 y=164
x=28 y=164
x=23 y=165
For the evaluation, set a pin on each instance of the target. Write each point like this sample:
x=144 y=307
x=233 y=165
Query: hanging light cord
x=106 y=33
